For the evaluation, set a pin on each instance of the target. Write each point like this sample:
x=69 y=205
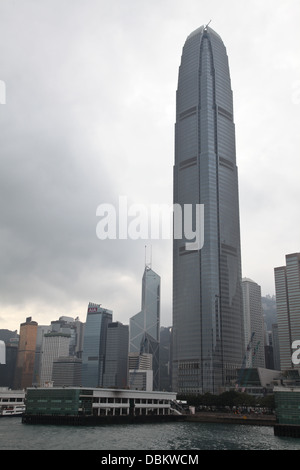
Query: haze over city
x=89 y=116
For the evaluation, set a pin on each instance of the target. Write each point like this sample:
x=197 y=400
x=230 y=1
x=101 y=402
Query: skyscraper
x=94 y=346
x=116 y=356
x=287 y=285
x=253 y=321
x=24 y=371
x=54 y=346
x=144 y=327
x=207 y=294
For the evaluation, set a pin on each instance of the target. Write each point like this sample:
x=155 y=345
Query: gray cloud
x=89 y=116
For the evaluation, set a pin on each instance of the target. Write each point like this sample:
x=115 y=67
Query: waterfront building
x=144 y=327
x=54 y=346
x=287 y=409
x=48 y=403
x=116 y=356
x=94 y=346
x=208 y=338
x=287 y=285
x=253 y=322
x=24 y=371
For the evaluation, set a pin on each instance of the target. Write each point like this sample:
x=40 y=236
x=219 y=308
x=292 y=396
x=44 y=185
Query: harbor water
x=14 y=435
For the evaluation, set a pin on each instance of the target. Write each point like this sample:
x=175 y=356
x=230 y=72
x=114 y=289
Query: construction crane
x=244 y=363
x=245 y=379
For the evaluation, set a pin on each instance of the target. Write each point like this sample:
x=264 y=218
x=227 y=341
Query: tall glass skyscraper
x=287 y=285
x=207 y=294
x=94 y=346
x=145 y=325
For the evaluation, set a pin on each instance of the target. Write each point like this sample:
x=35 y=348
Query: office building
x=94 y=346
x=54 y=346
x=140 y=371
x=253 y=322
x=116 y=356
x=2 y=353
x=66 y=372
x=144 y=327
x=74 y=328
x=287 y=285
x=208 y=339
x=276 y=348
x=24 y=370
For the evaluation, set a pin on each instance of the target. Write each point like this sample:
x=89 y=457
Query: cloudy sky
x=89 y=116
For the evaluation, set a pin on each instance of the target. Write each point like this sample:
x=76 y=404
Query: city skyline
x=72 y=138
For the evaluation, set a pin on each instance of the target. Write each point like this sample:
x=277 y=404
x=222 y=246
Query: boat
x=12 y=402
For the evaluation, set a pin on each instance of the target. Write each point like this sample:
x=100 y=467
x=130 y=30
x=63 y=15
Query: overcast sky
x=89 y=116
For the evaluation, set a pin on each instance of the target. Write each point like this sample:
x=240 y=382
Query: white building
x=2 y=353
x=55 y=345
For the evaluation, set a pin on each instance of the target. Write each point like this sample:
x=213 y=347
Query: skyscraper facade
x=116 y=356
x=207 y=293
x=253 y=322
x=287 y=285
x=144 y=327
x=54 y=346
x=94 y=345
x=24 y=371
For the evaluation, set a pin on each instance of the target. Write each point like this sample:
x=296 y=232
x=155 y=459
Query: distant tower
x=2 y=353
x=54 y=346
x=207 y=293
x=253 y=320
x=94 y=346
x=287 y=284
x=116 y=356
x=144 y=327
x=26 y=355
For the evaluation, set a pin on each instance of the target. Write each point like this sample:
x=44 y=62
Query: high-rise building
x=2 y=353
x=54 y=346
x=116 y=356
x=275 y=345
x=207 y=294
x=94 y=345
x=287 y=285
x=26 y=355
x=144 y=327
x=253 y=322
x=140 y=371
x=66 y=372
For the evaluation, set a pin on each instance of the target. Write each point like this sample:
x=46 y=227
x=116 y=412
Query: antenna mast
x=205 y=27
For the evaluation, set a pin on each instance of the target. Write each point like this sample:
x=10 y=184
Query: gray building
x=253 y=322
x=207 y=293
x=54 y=346
x=94 y=346
x=66 y=372
x=116 y=356
x=287 y=285
x=144 y=327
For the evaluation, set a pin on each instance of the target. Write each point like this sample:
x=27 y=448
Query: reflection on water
x=167 y=436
